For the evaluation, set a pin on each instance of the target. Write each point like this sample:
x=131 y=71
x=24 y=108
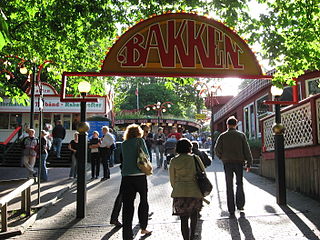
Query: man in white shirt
x=106 y=148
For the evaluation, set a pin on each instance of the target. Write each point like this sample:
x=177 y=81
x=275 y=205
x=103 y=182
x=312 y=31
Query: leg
x=116 y=208
x=73 y=166
x=97 y=163
x=143 y=210
x=156 y=149
x=26 y=162
x=44 y=170
x=240 y=198
x=150 y=153
x=194 y=220
x=129 y=194
x=93 y=165
x=185 y=227
x=59 y=143
x=229 y=182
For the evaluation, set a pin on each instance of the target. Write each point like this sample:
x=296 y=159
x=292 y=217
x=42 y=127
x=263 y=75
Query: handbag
x=203 y=181
x=143 y=161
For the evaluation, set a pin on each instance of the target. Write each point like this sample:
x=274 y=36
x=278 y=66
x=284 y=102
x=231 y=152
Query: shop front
x=13 y=115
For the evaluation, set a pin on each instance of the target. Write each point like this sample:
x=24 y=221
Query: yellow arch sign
x=181 y=44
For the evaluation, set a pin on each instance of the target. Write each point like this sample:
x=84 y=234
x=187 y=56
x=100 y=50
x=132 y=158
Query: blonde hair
x=133 y=131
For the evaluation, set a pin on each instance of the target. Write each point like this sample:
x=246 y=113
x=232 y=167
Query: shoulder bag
x=203 y=181
x=143 y=161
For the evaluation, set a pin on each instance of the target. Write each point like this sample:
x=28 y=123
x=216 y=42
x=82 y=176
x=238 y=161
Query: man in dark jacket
x=233 y=149
x=58 y=134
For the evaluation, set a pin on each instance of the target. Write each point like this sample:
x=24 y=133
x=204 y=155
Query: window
x=249 y=121
x=4 y=120
x=66 y=121
x=312 y=86
x=261 y=110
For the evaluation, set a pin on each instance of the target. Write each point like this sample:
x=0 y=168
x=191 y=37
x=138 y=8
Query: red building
x=302 y=135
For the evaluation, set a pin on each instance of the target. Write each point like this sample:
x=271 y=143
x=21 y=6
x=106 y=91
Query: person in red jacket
x=175 y=132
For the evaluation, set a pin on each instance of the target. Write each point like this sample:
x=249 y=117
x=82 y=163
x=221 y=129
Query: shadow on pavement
x=297 y=201
x=307 y=232
x=242 y=224
x=111 y=233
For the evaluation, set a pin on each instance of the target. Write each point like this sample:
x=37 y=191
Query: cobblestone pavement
x=262 y=218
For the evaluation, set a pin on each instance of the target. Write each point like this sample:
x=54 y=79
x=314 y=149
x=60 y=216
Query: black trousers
x=131 y=185
x=230 y=169
x=105 y=154
x=117 y=206
x=95 y=164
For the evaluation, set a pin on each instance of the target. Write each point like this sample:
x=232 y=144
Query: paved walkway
x=262 y=219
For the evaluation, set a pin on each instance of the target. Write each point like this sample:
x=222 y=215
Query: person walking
x=106 y=147
x=73 y=147
x=159 y=139
x=174 y=132
x=44 y=142
x=95 y=155
x=29 y=145
x=133 y=181
x=58 y=134
x=187 y=197
x=233 y=149
x=203 y=156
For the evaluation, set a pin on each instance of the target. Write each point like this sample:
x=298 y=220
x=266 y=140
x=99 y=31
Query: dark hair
x=195 y=145
x=184 y=145
x=232 y=121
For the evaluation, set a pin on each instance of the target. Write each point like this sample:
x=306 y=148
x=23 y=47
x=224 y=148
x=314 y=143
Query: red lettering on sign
x=232 y=54
x=185 y=44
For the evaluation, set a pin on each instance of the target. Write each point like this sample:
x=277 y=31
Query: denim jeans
x=229 y=169
x=73 y=168
x=57 y=143
x=159 y=150
x=44 y=170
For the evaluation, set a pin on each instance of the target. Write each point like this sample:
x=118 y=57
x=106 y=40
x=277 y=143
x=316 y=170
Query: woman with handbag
x=133 y=181
x=187 y=197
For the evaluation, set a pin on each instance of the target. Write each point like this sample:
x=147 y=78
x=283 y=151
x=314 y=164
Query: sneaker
x=146 y=232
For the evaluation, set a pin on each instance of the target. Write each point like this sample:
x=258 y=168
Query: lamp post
x=160 y=108
x=83 y=128
x=278 y=130
x=210 y=93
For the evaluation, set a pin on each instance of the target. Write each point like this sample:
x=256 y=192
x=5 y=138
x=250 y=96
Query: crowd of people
x=182 y=154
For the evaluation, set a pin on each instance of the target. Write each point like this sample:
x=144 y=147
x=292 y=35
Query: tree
x=76 y=34
x=289 y=33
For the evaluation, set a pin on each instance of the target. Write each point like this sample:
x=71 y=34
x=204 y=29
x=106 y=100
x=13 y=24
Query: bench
x=24 y=188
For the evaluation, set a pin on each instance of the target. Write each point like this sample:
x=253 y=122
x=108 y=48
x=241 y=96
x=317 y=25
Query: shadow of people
x=234 y=229
x=303 y=227
x=245 y=227
x=111 y=233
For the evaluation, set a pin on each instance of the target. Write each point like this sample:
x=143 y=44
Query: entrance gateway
x=176 y=45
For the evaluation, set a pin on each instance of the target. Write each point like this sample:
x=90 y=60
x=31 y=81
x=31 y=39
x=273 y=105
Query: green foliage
x=290 y=37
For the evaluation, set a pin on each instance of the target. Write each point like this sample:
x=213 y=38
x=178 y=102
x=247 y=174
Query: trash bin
x=117 y=152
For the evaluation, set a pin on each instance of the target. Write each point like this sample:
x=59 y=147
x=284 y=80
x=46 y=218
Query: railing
x=25 y=190
x=4 y=144
x=302 y=123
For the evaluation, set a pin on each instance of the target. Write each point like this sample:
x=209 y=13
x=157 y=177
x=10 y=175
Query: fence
x=302 y=123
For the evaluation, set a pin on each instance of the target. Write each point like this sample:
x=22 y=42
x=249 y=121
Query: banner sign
x=181 y=44
x=53 y=104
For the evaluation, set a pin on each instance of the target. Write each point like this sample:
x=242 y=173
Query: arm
x=218 y=147
x=71 y=149
x=172 y=174
x=246 y=151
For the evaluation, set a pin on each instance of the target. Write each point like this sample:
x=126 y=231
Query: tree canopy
x=76 y=34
